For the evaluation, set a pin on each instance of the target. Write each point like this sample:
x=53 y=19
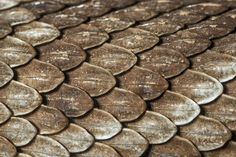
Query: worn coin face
x=113 y=58
x=101 y=124
x=92 y=79
x=5 y=113
x=230 y=88
x=6 y=74
x=177 y=146
x=18 y=130
x=134 y=39
x=147 y=84
x=21 y=99
x=6 y=4
x=123 y=104
x=197 y=86
x=43 y=146
x=206 y=133
x=7 y=149
x=74 y=138
x=62 y=54
x=36 y=33
x=72 y=101
x=5 y=28
x=15 y=52
x=42 y=76
x=128 y=143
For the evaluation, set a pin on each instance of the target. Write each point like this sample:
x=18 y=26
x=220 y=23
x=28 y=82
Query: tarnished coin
x=21 y=99
x=36 y=33
x=6 y=4
x=99 y=150
x=206 y=133
x=224 y=110
x=6 y=74
x=62 y=54
x=197 y=86
x=128 y=143
x=7 y=149
x=5 y=28
x=74 y=138
x=178 y=108
x=86 y=36
x=16 y=16
x=155 y=127
x=176 y=147
x=5 y=113
x=166 y=61
x=72 y=101
x=113 y=58
x=18 y=130
x=220 y=66
x=23 y=155
x=43 y=146
x=100 y=123
x=147 y=84
x=134 y=39
x=42 y=76
x=230 y=87
x=48 y=120
x=123 y=104
x=15 y=52
x=92 y=79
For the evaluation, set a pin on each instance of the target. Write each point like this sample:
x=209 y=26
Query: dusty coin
x=197 y=86
x=48 y=120
x=18 y=130
x=21 y=99
x=178 y=108
x=165 y=61
x=5 y=113
x=6 y=4
x=72 y=101
x=101 y=124
x=113 y=58
x=5 y=28
x=123 y=104
x=147 y=84
x=15 y=52
x=62 y=54
x=230 y=87
x=6 y=74
x=206 y=133
x=86 y=36
x=92 y=79
x=128 y=143
x=177 y=146
x=43 y=146
x=74 y=138
x=7 y=149
x=36 y=33
x=42 y=76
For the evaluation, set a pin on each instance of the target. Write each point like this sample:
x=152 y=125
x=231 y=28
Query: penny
x=134 y=39
x=18 y=130
x=43 y=146
x=48 y=120
x=197 y=86
x=93 y=79
x=165 y=61
x=23 y=155
x=123 y=104
x=113 y=58
x=178 y=108
x=128 y=143
x=42 y=76
x=16 y=16
x=155 y=127
x=7 y=149
x=72 y=101
x=5 y=113
x=5 y=28
x=36 y=33
x=101 y=124
x=6 y=74
x=62 y=54
x=6 y=4
x=86 y=36
x=21 y=99
x=230 y=88
x=147 y=84
x=15 y=52
x=74 y=138
x=99 y=150
x=220 y=66
x=206 y=133
x=177 y=146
